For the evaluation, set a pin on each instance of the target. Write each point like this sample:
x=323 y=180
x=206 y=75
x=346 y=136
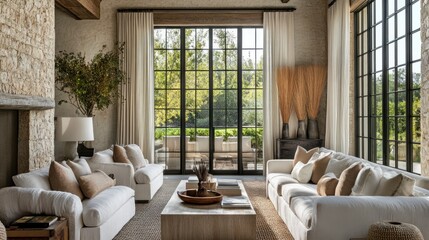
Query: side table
x=57 y=231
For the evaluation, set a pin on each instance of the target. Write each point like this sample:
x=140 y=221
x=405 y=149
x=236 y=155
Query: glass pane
x=173 y=118
x=379 y=147
x=219 y=99
x=391 y=28
x=259 y=38
x=401 y=52
x=392 y=154
x=219 y=38
x=231 y=99
x=365 y=42
x=232 y=118
x=416 y=159
x=379 y=128
x=378 y=35
x=202 y=99
x=190 y=60
x=219 y=117
x=416 y=130
x=202 y=117
x=260 y=118
x=160 y=63
x=378 y=60
x=391 y=79
x=416 y=78
x=202 y=39
x=402 y=155
x=159 y=38
x=259 y=59
x=416 y=103
x=202 y=57
x=159 y=118
x=249 y=118
x=415 y=16
x=231 y=38
x=231 y=79
x=173 y=79
x=173 y=59
x=365 y=106
x=249 y=38
x=392 y=129
x=365 y=64
x=231 y=59
x=203 y=80
x=402 y=129
x=219 y=79
x=259 y=79
x=190 y=118
x=391 y=54
x=401 y=24
x=160 y=98
x=390 y=7
x=160 y=79
x=190 y=38
x=379 y=105
x=400 y=4
x=219 y=59
x=416 y=46
x=190 y=79
x=401 y=104
x=259 y=98
x=248 y=59
x=378 y=10
x=365 y=126
x=173 y=99
x=190 y=99
x=173 y=38
x=248 y=79
x=392 y=105
x=249 y=98
x=378 y=83
x=400 y=78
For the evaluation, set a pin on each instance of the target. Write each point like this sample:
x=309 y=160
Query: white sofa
x=145 y=181
x=310 y=216
x=100 y=217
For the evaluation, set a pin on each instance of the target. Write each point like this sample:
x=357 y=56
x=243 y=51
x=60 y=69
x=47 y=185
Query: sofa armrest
x=353 y=215
x=123 y=172
x=16 y=202
x=279 y=166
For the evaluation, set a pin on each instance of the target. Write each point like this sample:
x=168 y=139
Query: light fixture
x=74 y=129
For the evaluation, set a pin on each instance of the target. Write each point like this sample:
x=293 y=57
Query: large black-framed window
x=208 y=98
x=387 y=83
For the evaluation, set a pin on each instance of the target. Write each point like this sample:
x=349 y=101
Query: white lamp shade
x=75 y=129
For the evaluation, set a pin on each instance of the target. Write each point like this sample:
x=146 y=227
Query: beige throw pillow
x=347 y=180
x=79 y=167
x=302 y=172
x=327 y=184
x=135 y=155
x=63 y=179
x=320 y=164
x=406 y=188
x=302 y=155
x=389 y=184
x=94 y=183
x=367 y=181
x=120 y=155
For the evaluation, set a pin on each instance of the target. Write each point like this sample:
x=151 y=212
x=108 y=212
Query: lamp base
x=83 y=151
x=70 y=150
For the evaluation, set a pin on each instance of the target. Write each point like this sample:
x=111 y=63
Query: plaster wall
x=87 y=36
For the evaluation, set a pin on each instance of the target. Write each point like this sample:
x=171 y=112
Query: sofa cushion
x=105 y=156
x=302 y=172
x=79 y=167
x=337 y=166
x=302 y=155
x=327 y=184
x=321 y=161
x=347 y=180
x=367 y=181
x=289 y=191
x=148 y=173
x=120 y=155
x=303 y=209
x=406 y=187
x=100 y=208
x=35 y=179
x=389 y=183
x=94 y=183
x=278 y=181
x=135 y=155
x=62 y=179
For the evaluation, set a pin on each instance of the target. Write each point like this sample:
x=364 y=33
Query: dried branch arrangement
x=300 y=93
x=285 y=85
x=316 y=82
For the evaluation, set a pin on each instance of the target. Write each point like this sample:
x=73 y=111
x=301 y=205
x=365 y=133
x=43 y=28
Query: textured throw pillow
x=347 y=180
x=79 y=167
x=94 y=183
x=327 y=184
x=320 y=164
x=2 y=232
x=389 y=183
x=302 y=155
x=302 y=172
x=62 y=179
x=406 y=188
x=120 y=155
x=337 y=166
x=367 y=181
x=135 y=155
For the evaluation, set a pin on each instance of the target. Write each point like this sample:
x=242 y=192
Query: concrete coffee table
x=187 y=221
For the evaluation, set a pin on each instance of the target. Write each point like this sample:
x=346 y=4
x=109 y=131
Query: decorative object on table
x=89 y=85
x=202 y=173
x=191 y=196
x=285 y=88
x=34 y=221
x=210 y=184
x=394 y=231
x=316 y=83
x=71 y=130
x=300 y=100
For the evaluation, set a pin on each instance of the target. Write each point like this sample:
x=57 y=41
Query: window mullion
x=385 y=79
x=408 y=87
x=182 y=101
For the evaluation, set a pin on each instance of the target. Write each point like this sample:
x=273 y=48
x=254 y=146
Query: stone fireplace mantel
x=23 y=102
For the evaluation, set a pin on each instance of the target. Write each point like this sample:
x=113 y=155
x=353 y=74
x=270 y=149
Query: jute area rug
x=146 y=224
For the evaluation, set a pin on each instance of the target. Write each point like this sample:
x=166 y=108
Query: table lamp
x=74 y=129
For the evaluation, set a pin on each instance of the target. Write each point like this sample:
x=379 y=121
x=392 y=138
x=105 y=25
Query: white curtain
x=337 y=113
x=136 y=106
x=279 y=50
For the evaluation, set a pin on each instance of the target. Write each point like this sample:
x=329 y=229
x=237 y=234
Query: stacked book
x=35 y=221
x=192 y=183
x=235 y=202
x=228 y=187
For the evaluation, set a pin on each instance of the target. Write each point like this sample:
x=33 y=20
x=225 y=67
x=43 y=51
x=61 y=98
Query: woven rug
x=146 y=224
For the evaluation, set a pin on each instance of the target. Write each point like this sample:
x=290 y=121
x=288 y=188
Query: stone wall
x=425 y=87
x=27 y=41
x=87 y=36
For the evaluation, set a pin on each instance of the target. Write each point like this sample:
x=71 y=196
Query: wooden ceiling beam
x=80 y=9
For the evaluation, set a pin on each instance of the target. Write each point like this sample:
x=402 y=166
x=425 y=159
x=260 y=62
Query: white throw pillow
x=302 y=172
x=135 y=155
x=367 y=181
x=35 y=179
x=389 y=183
x=406 y=187
x=337 y=166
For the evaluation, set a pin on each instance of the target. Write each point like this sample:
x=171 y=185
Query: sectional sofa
x=311 y=216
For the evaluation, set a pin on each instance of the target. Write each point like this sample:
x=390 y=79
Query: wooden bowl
x=189 y=196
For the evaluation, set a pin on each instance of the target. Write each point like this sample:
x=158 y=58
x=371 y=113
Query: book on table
x=228 y=182
x=228 y=187
x=35 y=221
x=235 y=202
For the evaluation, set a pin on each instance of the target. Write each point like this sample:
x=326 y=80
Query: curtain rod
x=286 y=9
